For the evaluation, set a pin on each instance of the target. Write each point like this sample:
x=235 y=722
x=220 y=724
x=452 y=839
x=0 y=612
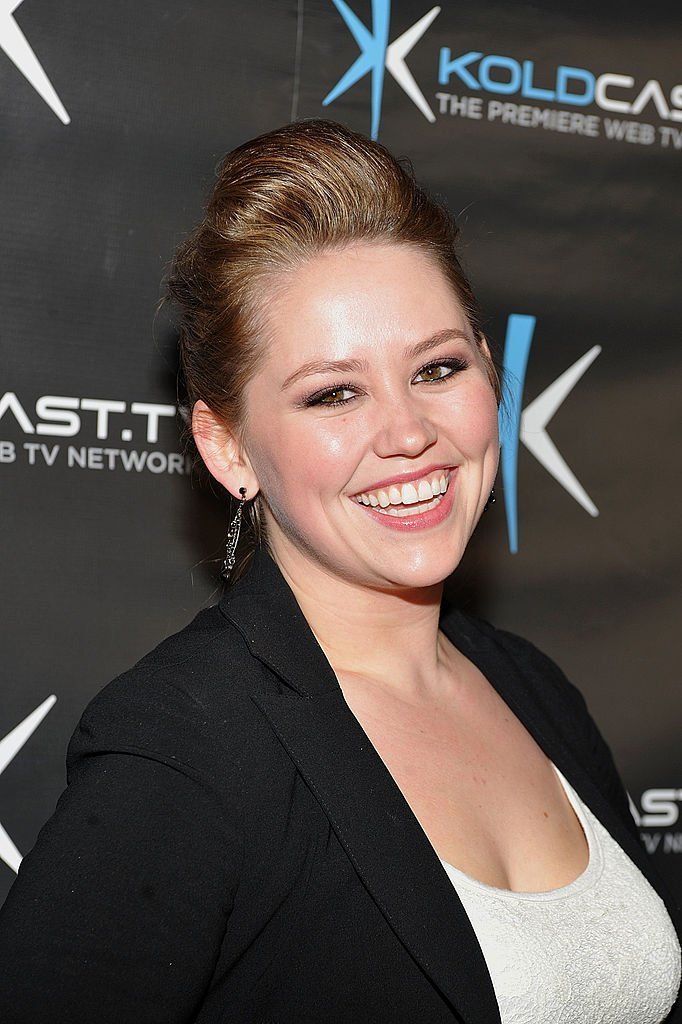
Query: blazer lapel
x=505 y=675
x=366 y=809
x=386 y=845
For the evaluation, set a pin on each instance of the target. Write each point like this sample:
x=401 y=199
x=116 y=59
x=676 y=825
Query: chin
x=423 y=573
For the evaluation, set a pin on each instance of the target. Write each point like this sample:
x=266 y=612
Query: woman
x=321 y=801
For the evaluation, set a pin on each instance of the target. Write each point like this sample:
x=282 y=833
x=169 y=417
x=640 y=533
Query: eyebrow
x=439 y=338
x=361 y=365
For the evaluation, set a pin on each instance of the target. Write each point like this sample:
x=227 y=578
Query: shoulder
x=538 y=677
x=535 y=683
x=528 y=680
x=186 y=703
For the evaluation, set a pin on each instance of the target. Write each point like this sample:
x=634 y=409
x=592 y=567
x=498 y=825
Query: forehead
x=364 y=298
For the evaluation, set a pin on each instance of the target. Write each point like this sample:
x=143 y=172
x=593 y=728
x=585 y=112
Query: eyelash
x=455 y=365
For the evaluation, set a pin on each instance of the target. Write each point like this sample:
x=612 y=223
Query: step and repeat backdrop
x=556 y=138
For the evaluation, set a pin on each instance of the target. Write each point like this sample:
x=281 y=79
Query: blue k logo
x=377 y=55
x=528 y=425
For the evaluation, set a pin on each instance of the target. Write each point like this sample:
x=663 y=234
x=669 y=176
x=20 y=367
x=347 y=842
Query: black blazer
x=231 y=848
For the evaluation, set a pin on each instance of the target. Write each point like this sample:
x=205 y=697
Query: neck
x=387 y=635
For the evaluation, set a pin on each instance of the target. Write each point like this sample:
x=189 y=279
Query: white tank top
x=601 y=950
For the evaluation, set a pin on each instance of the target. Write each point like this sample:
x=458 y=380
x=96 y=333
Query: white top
x=601 y=950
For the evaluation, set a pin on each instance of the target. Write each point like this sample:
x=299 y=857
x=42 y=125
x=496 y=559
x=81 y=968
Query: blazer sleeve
x=118 y=913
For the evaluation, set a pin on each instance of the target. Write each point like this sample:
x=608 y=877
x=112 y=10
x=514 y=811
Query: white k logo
x=18 y=49
x=395 y=62
x=9 y=748
x=537 y=415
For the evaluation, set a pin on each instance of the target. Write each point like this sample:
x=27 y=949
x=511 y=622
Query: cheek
x=476 y=418
x=328 y=444
x=302 y=459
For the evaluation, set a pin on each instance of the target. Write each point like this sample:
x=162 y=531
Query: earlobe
x=221 y=451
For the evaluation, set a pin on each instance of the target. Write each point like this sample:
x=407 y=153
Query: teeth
x=405 y=510
x=409 y=493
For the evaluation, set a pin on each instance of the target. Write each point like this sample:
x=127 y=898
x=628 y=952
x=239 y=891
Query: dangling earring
x=233 y=537
x=491 y=500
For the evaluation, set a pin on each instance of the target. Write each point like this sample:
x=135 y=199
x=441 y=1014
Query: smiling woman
x=325 y=800
x=309 y=200
x=376 y=389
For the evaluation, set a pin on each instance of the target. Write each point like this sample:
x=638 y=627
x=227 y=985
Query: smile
x=409 y=499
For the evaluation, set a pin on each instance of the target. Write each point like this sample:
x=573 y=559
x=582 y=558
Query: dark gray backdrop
x=576 y=230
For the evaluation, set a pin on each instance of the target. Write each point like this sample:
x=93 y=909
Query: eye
x=332 y=396
x=433 y=373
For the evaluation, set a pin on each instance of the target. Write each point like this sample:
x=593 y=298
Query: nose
x=403 y=429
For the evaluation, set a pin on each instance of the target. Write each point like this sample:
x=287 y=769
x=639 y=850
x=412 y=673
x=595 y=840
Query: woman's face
x=371 y=424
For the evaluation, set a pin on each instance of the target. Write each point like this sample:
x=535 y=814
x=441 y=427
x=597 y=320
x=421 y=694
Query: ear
x=493 y=375
x=222 y=452
x=485 y=348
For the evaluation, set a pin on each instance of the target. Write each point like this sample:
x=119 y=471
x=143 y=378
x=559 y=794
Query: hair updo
x=278 y=200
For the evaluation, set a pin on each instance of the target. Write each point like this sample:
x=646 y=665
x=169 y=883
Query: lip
x=405 y=478
x=421 y=521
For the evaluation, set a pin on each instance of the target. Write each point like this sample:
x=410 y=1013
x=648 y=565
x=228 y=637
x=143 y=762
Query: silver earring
x=233 y=537
x=491 y=500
